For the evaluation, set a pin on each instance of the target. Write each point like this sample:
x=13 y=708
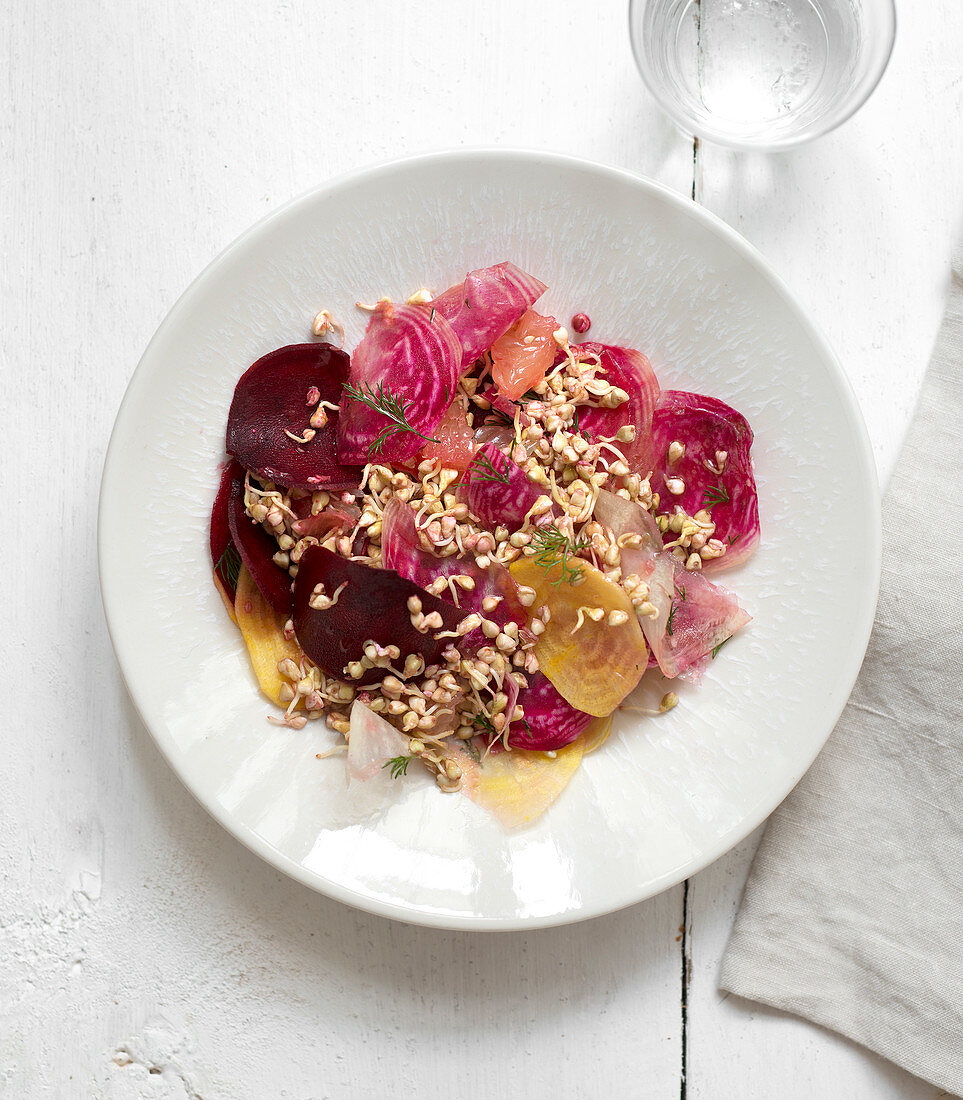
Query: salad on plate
x=467 y=543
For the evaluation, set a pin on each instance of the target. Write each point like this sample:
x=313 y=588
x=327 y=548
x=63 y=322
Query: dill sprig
x=720 y=645
x=583 y=432
x=509 y=420
x=680 y=588
x=398 y=766
x=732 y=539
x=715 y=494
x=229 y=565
x=482 y=722
x=552 y=547
x=482 y=719
x=668 y=621
x=389 y=404
x=489 y=471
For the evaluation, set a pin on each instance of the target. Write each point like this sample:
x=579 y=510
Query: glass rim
x=884 y=43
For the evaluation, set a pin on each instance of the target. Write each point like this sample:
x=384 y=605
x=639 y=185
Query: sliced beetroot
x=694 y=617
x=372 y=742
x=336 y=517
x=402 y=551
x=631 y=371
x=506 y=406
x=725 y=485
x=497 y=490
x=550 y=722
x=486 y=305
x=625 y=517
x=277 y=394
x=372 y=607
x=409 y=362
x=224 y=553
x=257 y=548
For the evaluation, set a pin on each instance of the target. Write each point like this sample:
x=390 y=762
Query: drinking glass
x=761 y=74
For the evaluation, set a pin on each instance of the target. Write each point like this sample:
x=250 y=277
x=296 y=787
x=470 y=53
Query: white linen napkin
x=853 y=912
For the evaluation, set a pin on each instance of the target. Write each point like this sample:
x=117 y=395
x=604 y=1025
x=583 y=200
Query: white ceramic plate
x=663 y=797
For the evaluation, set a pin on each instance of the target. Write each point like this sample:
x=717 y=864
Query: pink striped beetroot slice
x=486 y=305
x=701 y=460
x=497 y=490
x=694 y=618
x=549 y=721
x=628 y=370
x=403 y=377
x=280 y=427
x=367 y=606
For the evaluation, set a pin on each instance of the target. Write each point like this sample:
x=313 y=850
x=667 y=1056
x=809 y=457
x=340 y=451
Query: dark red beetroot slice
x=224 y=553
x=550 y=721
x=707 y=426
x=373 y=606
x=257 y=548
x=272 y=396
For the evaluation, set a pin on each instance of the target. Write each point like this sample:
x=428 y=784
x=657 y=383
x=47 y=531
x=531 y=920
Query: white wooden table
x=145 y=953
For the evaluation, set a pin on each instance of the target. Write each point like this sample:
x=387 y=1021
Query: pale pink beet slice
x=715 y=470
x=409 y=359
x=625 y=517
x=486 y=305
x=371 y=607
x=257 y=548
x=279 y=394
x=694 y=617
x=336 y=517
x=632 y=372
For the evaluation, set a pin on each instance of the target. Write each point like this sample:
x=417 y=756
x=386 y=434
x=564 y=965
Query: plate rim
x=871 y=550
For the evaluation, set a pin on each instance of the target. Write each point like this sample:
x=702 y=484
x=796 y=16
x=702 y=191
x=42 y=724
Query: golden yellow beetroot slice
x=263 y=631
x=517 y=787
x=592 y=648
x=278 y=427
x=370 y=605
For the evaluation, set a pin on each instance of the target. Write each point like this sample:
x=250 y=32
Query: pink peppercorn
x=581 y=322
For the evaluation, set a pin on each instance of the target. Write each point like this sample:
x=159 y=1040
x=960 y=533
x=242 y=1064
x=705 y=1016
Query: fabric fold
x=853 y=912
